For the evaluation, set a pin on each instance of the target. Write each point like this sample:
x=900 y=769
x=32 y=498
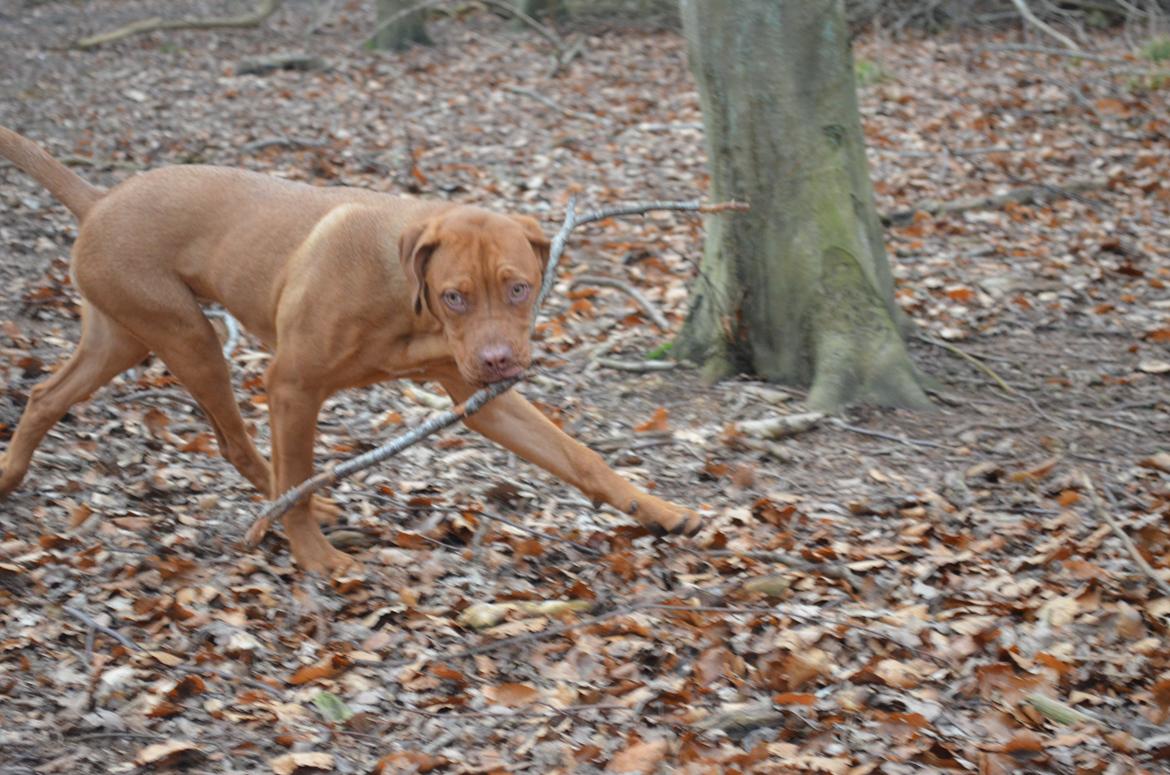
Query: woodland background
x=983 y=587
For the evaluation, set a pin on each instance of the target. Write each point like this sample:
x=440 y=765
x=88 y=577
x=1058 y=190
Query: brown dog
x=347 y=287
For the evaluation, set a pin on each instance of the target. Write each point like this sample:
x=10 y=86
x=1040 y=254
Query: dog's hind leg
x=106 y=349
x=182 y=337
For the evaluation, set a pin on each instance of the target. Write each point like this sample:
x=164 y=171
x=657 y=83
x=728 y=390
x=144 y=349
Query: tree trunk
x=797 y=290
x=397 y=30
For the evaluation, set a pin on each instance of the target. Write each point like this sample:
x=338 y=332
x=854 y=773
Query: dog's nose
x=499 y=361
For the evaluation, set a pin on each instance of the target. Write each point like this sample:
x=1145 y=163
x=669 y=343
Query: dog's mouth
x=481 y=379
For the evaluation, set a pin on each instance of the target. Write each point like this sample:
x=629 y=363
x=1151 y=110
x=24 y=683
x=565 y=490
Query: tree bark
x=798 y=290
x=397 y=28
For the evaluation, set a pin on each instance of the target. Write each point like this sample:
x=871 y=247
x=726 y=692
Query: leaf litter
x=882 y=592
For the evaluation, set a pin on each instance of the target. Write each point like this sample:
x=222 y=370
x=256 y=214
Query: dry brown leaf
x=641 y=757
x=329 y=667
x=1159 y=460
x=172 y=753
x=656 y=423
x=511 y=695
x=302 y=763
x=79 y=515
x=897 y=674
x=405 y=762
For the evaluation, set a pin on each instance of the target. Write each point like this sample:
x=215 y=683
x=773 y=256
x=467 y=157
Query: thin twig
x=333 y=474
x=887 y=436
x=1060 y=52
x=543 y=100
x=636 y=366
x=94 y=624
x=1043 y=26
x=1024 y=195
x=544 y=30
x=481 y=397
x=1103 y=513
x=972 y=360
x=146 y=395
x=254 y=19
x=286 y=142
x=538 y=534
x=647 y=306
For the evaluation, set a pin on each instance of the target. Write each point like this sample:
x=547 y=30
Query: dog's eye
x=518 y=292
x=455 y=300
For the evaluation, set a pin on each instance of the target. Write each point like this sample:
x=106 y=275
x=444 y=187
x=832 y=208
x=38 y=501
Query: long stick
x=1043 y=26
x=254 y=19
x=1103 y=512
x=478 y=399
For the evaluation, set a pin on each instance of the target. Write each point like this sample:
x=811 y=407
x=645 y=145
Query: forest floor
x=887 y=592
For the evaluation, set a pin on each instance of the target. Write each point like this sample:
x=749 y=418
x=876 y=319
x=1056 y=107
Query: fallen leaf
x=302 y=763
x=1154 y=367
x=897 y=674
x=511 y=695
x=332 y=708
x=656 y=423
x=329 y=667
x=172 y=753
x=1159 y=460
x=640 y=757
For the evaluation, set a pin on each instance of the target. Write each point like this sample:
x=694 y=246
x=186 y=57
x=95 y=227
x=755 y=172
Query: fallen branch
x=1024 y=195
x=1043 y=26
x=95 y=625
x=1059 y=52
x=780 y=426
x=543 y=100
x=153 y=24
x=543 y=30
x=1103 y=513
x=887 y=436
x=979 y=364
x=294 y=143
x=334 y=474
x=477 y=400
x=656 y=317
x=537 y=534
x=639 y=367
x=287 y=60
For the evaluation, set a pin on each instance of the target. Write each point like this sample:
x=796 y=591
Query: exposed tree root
x=1023 y=195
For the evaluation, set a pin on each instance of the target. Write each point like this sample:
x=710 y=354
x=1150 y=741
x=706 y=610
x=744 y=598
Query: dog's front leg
x=293 y=406
x=514 y=423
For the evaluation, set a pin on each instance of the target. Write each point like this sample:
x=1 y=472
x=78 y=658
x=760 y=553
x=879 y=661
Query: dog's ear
x=415 y=246
x=535 y=235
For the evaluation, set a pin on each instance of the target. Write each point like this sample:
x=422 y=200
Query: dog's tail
x=62 y=182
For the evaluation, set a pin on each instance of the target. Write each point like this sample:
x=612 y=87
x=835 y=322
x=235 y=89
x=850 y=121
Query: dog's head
x=478 y=274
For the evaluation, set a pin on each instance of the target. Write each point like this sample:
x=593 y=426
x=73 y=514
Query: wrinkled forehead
x=484 y=246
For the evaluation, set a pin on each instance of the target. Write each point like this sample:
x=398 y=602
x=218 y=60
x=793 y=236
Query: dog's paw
x=665 y=518
x=312 y=552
